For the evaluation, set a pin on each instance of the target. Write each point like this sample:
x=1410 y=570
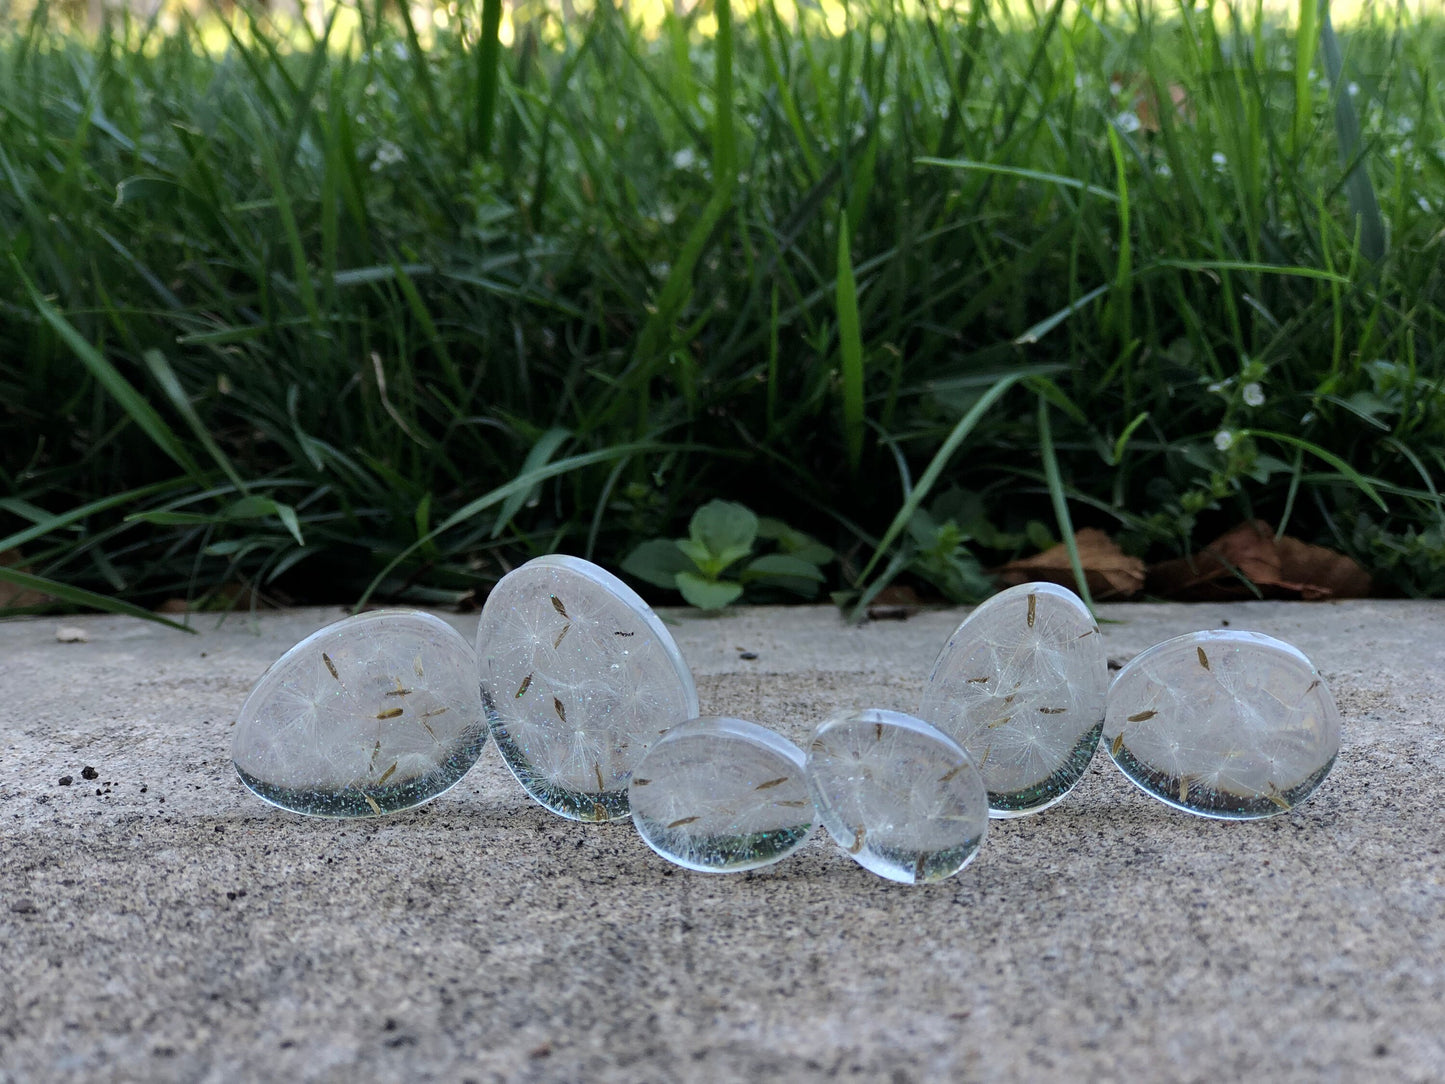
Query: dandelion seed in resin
x=722 y=795
x=1228 y=724
x=902 y=798
x=1021 y=685
x=331 y=730
x=578 y=678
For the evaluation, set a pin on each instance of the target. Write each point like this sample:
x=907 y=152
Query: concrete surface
x=159 y=923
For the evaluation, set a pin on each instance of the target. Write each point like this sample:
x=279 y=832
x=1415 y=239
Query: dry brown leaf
x=896 y=602
x=10 y=594
x=1279 y=567
x=1321 y=572
x=1109 y=571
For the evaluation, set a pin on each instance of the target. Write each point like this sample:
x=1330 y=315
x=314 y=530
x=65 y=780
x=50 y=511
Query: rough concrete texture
x=159 y=923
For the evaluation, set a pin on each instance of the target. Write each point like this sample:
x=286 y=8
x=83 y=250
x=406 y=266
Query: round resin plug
x=374 y=714
x=899 y=796
x=1021 y=685
x=722 y=795
x=579 y=677
x=1227 y=724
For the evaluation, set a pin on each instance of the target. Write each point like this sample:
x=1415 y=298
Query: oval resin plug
x=371 y=715
x=722 y=795
x=1021 y=685
x=1227 y=724
x=579 y=677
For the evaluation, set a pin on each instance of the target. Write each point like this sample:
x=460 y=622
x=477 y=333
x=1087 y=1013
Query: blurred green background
x=380 y=301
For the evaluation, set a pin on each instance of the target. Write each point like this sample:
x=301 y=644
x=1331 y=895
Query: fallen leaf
x=896 y=602
x=1109 y=571
x=1280 y=567
x=10 y=594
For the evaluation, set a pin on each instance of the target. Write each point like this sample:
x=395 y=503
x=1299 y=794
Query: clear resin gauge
x=1235 y=725
x=579 y=677
x=1021 y=685
x=899 y=796
x=371 y=715
x=721 y=795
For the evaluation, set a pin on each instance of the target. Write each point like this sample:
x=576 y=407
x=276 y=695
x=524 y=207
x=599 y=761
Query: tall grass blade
x=850 y=349
x=1055 y=481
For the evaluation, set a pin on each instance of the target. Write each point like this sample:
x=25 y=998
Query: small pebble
x=89 y=773
x=71 y=634
x=66 y=780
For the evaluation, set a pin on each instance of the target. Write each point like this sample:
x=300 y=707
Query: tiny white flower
x=1424 y=204
x=1218 y=159
x=398 y=50
x=1115 y=87
x=388 y=154
x=1163 y=170
x=1216 y=387
x=667 y=214
x=1127 y=123
x=684 y=159
x=1253 y=394
x=1353 y=88
x=1308 y=417
x=371 y=89
x=1224 y=440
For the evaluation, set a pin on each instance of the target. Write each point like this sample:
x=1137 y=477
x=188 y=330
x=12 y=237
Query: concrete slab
x=159 y=923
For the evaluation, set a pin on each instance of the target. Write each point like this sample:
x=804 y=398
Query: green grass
x=341 y=316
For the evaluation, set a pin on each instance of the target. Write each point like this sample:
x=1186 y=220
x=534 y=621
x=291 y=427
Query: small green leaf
x=784 y=571
x=287 y=515
x=1038 y=534
x=775 y=565
x=700 y=556
x=796 y=543
x=726 y=529
x=657 y=562
x=707 y=594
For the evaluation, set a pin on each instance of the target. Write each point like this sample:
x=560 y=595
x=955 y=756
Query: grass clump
x=350 y=313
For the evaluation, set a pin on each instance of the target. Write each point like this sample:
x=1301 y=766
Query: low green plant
x=718 y=561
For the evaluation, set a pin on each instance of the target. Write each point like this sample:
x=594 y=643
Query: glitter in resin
x=371 y=715
x=899 y=796
x=722 y=795
x=1235 y=725
x=579 y=678
x=1021 y=685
